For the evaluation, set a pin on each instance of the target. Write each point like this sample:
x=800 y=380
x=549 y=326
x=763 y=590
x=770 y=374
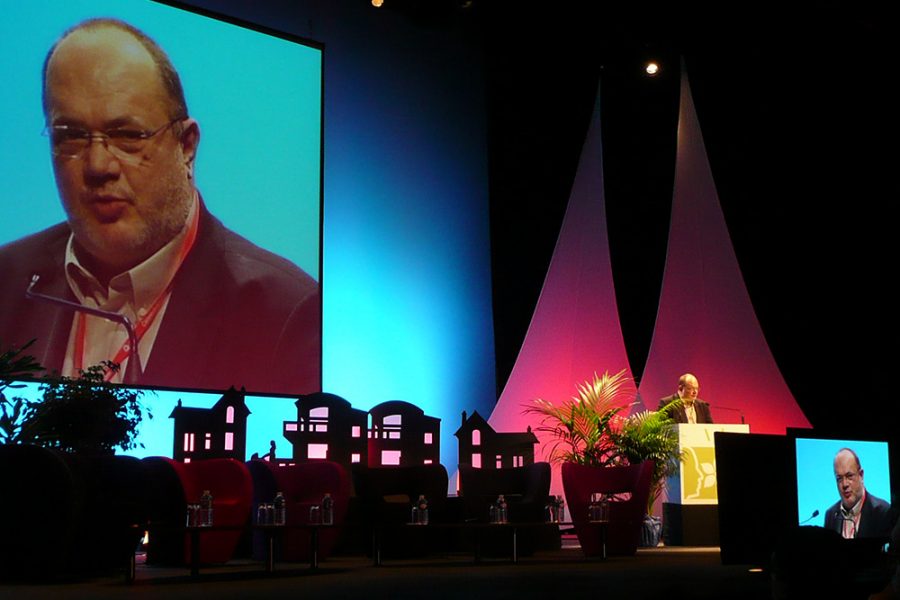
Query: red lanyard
x=143 y=324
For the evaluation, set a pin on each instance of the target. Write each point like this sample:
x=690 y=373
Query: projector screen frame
x=879 y=473
x=314 y=170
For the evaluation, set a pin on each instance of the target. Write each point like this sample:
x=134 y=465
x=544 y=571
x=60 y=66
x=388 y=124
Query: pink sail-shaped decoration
x=706 y=324
x=575 y=329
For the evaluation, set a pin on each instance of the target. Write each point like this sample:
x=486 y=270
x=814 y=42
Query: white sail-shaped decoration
x=575 y=329
x=706 y=324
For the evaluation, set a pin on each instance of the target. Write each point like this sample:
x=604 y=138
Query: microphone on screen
x=811 y=517
x=133 y=369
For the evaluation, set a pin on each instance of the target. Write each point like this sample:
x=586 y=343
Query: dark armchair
x=40 y=503
x=303 y=485
x=64 y=515
x=526 y=489
x=527 y=492
x=385 y=496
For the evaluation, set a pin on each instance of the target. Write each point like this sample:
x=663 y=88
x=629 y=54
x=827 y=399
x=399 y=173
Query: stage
x=682 y=572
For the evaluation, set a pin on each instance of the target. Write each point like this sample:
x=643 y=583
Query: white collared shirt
x=690 y=412
x=132 y=293
x=851 y=518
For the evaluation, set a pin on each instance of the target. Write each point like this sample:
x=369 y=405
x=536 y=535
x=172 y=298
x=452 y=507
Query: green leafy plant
x=15 y=365
x=84 y=414
x=589 y=429
x=650 y=435
x=583 y=427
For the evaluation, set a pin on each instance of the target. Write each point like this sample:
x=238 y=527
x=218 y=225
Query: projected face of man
x=101 y=79
x=849 y=477
x=688 y=388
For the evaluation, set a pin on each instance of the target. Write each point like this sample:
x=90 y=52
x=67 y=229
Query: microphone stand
x=737 y=410
x=134 y=370
x=811 y=517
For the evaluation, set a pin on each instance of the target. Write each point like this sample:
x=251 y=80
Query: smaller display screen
x=834 y=475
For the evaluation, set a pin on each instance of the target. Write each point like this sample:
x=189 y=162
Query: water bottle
x=206 y=509
x=498 y=511
x=420 y=511
x=598 y=509
x=594 y=511
x=550 y=513
x=554 y=509
x=327 y=510
x=192 y=517
x=263 y=512
x=280 y=510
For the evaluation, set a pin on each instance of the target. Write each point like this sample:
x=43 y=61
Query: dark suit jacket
x=677 y=412
x=238 y=315
x=875 y=519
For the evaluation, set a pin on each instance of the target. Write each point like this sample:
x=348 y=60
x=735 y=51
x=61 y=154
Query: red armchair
x=174 y=485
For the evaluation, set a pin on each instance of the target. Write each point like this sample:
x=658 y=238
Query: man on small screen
x=690 y=409
x=209 y=309
x=858 y=513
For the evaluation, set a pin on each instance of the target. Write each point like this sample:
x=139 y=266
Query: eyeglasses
x=125 y=143
x=848 y=477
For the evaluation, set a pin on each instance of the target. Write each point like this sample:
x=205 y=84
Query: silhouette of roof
x=476 y=421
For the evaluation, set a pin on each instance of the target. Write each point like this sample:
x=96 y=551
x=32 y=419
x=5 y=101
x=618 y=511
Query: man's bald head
x=688 y=387
x=171 y=82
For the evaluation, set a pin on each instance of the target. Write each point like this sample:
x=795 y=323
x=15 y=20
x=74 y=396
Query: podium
x=690 y=516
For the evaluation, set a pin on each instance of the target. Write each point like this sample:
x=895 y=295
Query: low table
x=270 y=531
x=477 y=527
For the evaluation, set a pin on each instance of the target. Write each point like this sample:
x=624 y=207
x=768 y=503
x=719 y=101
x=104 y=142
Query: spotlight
x=652 y=68
x=377 y=3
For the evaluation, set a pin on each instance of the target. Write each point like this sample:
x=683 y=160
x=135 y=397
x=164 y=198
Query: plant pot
x=622 y=534
x=651 y=532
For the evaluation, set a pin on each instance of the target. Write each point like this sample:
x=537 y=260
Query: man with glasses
x=205 y=307
x=858 y=513
x=684 y=406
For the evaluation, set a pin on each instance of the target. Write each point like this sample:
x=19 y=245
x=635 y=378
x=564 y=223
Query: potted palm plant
x=580 y=434
x=650 y=435
x=589 y=429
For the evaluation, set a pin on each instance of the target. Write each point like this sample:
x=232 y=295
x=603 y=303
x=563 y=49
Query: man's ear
x=190 y=140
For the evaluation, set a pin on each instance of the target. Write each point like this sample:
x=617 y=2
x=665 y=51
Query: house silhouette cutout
x=403 y=435
x=483 y=448
x=327 y=428
x=217 y=432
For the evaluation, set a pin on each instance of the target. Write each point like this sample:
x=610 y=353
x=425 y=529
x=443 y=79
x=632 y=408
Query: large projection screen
x=247 y=312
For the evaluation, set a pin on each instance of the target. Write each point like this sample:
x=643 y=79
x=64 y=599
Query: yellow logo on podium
x=699 y=473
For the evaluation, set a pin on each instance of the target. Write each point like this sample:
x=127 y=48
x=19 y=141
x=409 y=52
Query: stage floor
x=680 y=572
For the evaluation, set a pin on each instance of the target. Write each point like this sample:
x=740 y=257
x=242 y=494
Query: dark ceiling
x=798 y=109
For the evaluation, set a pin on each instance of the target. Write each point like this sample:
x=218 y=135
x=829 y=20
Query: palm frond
x=581 y=428
x=651 y=435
